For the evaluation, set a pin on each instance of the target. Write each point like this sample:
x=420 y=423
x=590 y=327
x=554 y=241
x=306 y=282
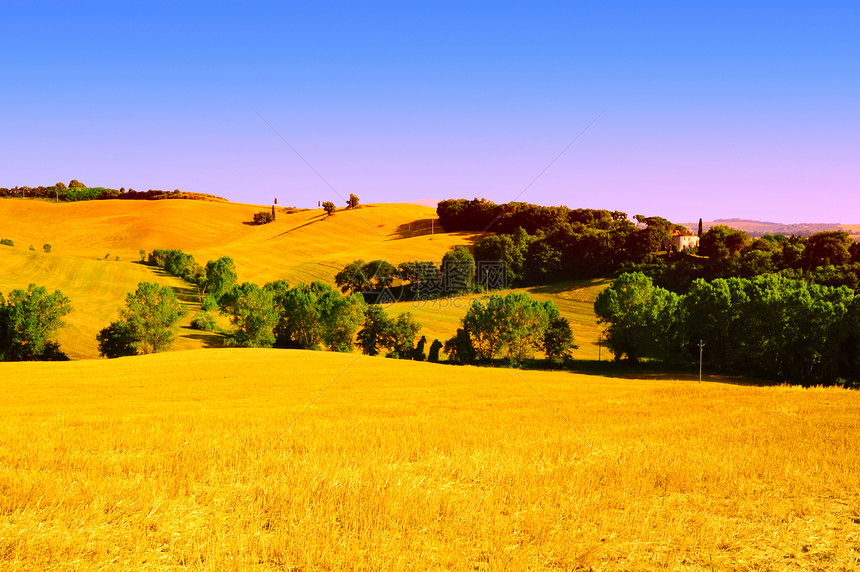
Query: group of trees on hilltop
x=77 y=191
x=777 y=327
x=538 y=244
x=830 y=258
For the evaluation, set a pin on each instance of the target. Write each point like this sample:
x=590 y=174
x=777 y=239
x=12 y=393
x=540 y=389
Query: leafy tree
x=459 y=348
x=418 y=353
x=220 y=276
x=148 y=323
x=352 y=202
x=29 y=319
x=423 y=278
x=329 y=207
x=399 y=336
x=513 y=326
x=76 y=184
x=352 y=278
x=61 y=186
x=116 y=340
x=433 y=354
x=343 y=318
x=142 y=254
x=722 y=242
x=832 y=247
x=458 y=270
x=558 y=340
x=641 y=317
x=372 y=336
x=252 y=313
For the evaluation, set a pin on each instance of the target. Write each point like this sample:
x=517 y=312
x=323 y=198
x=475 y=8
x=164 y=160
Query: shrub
x=47 y=248
x=264 y=217
x=142 y=253
x=6 y=242
x=117 y=258
x=209 y=303
x=204 y=321
x=33 y=248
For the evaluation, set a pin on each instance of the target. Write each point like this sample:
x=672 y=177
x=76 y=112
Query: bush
x=264 y=217
x=209 y=303
x=6 y=242
x=33 y=248
x=47 y=248
x=204 y=321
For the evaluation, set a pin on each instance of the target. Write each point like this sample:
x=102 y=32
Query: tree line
x=77 y=191
x=773 y=326
x=539 y=244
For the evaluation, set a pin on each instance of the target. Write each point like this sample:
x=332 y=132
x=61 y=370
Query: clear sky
x=681 y=109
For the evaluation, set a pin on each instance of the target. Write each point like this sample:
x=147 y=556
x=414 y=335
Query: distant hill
x=756 y=228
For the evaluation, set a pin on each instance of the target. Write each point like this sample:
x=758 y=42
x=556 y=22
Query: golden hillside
x=87 y=237
x=292 y=460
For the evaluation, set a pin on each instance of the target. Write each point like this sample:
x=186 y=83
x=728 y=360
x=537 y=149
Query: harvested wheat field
x=292 y=460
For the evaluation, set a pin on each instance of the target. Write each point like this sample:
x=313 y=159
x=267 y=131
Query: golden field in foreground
x=291 y=460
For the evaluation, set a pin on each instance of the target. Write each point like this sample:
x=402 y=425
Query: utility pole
x=701 y=345
x=599 y=340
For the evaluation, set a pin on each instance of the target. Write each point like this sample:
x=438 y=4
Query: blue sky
x=695 y=109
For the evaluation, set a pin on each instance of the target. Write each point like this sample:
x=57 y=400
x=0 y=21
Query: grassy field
x=290 y=460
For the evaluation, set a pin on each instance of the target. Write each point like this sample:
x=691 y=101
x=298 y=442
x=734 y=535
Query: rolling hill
x=86 y=238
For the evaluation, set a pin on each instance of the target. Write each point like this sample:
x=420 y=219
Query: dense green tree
x=352 y=202
x=558 y=340
x=832 y=247
x=640 y=317
x=722 y=242
x=220 y=276
x=458 y=270
x=116 y=340
x=418 y=354
x=29 y=320
x=459 y=348
x=352 y=278
x=512 y=327
x=433 y=354
x=147 y=324
x=423 y=278
x=342 y=319
x=251 y=311
x=329 y=207
x=399 y=336
x=372 y=336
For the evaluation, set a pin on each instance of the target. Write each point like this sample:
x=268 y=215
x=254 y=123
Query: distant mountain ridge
x=756 y=228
